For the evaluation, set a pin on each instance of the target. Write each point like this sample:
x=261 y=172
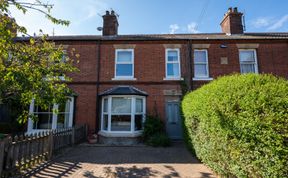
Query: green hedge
x=238 y=125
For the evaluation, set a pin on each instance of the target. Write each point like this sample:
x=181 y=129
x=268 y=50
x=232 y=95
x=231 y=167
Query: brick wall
x=149 y=67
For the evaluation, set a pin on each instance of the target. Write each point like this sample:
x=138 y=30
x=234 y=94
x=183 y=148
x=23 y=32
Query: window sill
x=124 y=78
x=203 y=79
x=173 y=79
x=120 y=134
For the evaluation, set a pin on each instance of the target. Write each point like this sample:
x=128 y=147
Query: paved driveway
x=126 y=162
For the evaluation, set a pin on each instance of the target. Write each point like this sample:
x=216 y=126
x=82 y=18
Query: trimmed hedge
x=238 y=125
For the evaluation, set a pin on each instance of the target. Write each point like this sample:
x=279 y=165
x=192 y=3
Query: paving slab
x=127 y=162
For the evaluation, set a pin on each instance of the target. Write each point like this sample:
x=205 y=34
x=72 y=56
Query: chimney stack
x=232 y=22
x=110 y=24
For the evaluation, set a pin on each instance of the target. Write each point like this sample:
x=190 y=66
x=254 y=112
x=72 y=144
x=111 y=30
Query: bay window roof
x=123 y=90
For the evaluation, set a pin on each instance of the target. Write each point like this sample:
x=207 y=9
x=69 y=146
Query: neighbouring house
x=123 y=78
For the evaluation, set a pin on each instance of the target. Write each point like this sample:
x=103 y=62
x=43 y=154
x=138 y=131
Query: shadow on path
x=124 y=162
x=53 y=169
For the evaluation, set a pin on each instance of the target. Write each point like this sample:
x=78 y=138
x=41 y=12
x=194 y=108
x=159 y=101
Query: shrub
x=238 y=125
x=152 y=126
x=160 y=139
x=154 y=132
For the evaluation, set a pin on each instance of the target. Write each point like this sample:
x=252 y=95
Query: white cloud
x=261 y=22
x=192 y=28
x=278 y=24
x=93 y=8
x=189 y=28
x=173 y=28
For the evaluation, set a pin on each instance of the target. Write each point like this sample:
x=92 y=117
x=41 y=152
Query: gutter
x=190 y=64
x=97 y=109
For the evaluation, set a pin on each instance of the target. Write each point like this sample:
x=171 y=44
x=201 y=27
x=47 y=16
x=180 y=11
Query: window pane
x=173 y=70
x=200 y=56
x=62 y=120
x=201 y=70
x=44 y=121
x=124 y=56
x=247 y=68
x=105 y=107
x=139 y=105
x=120 y=123
x=105 y=122
x=247 y=56
x=38 y=109
x=172 y=56
x=64 y=107
x=139 y=122
x=124 y=70
x=121 y=105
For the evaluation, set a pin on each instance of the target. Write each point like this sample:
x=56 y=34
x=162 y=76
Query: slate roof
x=148 y=37
x=123 y=90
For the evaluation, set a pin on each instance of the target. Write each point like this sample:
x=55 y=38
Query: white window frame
x=206 y=63
x=115 y=67
x=255 y=63
x=132 y=131
x=172 y=62
x=30 y=124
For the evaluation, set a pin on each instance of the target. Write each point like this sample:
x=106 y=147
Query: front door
x=173 y=120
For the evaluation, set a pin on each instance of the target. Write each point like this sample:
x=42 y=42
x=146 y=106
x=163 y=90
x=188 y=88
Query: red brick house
x=125 y=77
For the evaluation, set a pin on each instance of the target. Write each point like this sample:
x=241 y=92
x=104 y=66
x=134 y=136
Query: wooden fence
x=26 y=151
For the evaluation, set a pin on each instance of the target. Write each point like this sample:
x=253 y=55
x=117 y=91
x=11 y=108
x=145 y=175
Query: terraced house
x=123 y=78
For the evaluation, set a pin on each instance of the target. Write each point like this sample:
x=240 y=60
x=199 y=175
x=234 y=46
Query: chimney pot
x=107 y=13
x=112 y=12
x=235 y=10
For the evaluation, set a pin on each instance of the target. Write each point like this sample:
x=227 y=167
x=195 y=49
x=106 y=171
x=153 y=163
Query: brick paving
x=126 y=162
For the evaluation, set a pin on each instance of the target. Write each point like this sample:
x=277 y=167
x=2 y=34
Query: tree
x=33 y=68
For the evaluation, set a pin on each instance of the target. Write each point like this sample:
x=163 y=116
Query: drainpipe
x=97 y=109
x=190 y=64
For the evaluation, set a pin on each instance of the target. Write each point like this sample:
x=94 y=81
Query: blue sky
x=157 y=16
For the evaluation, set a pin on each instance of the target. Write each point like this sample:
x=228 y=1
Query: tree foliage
x=238 y=125
x=33 y=68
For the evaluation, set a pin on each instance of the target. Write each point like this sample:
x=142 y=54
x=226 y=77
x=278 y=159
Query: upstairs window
x=173 y=63
x=248 y=61
x=201 y=68
x=124 y=63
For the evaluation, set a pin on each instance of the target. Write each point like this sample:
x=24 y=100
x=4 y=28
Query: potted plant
x=92 y=138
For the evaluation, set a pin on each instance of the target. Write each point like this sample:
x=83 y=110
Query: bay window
x=123 y=113
x=49 y=119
